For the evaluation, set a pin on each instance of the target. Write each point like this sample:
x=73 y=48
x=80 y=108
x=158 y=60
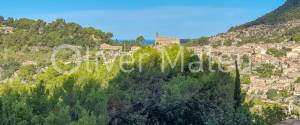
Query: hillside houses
x=6 y=30
x=257 y=53
x=296 y=49
x=259 y=50
x=105 y=46
x=282 y=84
x=260 y=84
x=292 y=54
x=110 y=52
x=291 y=72
x=256 y=31
x=199 y=50
x=297 y=90
x=264 y=58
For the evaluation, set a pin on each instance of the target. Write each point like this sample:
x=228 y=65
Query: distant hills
x=290 y=10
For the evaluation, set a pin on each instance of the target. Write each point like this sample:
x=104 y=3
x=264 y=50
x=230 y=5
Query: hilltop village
x=263 y=72
x=270 y=72
x=268 y=58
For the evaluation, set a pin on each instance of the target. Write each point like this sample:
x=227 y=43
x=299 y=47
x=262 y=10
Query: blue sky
x=130 y=18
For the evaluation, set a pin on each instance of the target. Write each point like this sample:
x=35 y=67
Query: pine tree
x=237 y=89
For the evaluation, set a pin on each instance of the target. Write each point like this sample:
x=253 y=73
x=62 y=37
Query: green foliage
x=277 y=52
x=265 y=70
x=237 y=89
x=297 y=101
x=297 y=80
x=161 y=93
x=8 y=67
x=93 y=95
x=152 y=96
x=285 y=93
x=216 y=44
x=260 y=39
x=69 y=103
x=228 y=43
x=245 y=79
x=296 y=37
x=287 y=49
x=58 y=117
x=26 y=73
x=250 y=40
x=278 y=72
x=39 y=33
x=274 y=39
x=34 y=40
x=1 y=20
x=268 y=70
x=172 y=96
x=294 y=34
x=140 y=39
x=276 y=94
x=272 y=94
x=200 y=41
x=269 y=115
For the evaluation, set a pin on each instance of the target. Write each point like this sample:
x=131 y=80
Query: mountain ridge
x=289 y=11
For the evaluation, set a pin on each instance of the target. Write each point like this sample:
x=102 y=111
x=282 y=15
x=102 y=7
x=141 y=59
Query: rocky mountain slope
x=280 y=25
x=290 y=10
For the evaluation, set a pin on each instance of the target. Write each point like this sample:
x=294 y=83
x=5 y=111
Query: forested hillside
x=33 y=41
x=287 y=12
x=29 y=32
x=279 y=26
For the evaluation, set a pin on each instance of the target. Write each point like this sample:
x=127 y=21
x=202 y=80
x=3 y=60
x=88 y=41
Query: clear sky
x=130 y=18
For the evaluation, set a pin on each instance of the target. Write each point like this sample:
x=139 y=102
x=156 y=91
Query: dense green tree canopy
x=149 y=96
x=140 y=39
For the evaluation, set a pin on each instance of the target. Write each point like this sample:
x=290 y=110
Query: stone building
x=165 y=41
x=297 y=90
x=260 y=84
x=292 y=54
x=109 y=52
x=105 y=46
